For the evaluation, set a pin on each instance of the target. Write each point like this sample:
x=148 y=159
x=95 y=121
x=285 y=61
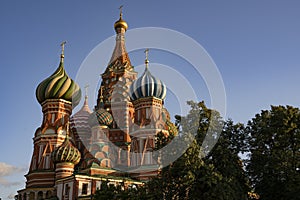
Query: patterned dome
x=100 y=117
x=59 y=86
x=147 y=86
x=172 y=128
x=79 y=121
x=66 y=152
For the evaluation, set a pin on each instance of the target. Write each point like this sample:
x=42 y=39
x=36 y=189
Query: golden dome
x=121 y=24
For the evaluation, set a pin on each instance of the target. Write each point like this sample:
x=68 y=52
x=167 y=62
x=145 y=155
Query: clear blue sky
x=255 y=45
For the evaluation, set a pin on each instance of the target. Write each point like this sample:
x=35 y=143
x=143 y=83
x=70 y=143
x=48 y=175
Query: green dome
x=100 y=117
x=172 y=128
x=66 y=152
x=59 y=86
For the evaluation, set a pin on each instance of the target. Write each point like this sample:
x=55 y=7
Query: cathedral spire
x=120 y=56
x=85 y=106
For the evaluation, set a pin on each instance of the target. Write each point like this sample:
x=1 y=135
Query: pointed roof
x=85 y=107
x=79 y=120
x=120 y=59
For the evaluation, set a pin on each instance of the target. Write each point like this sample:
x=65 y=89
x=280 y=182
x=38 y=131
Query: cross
x=86 y=87
x=146 y=60
x=120 y=8
x=63 y=47
x=146 y=52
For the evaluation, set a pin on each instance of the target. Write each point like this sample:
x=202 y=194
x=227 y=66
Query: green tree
x=274 y=146
x=209 y=166
x=107 y=191
x=233 y=183
x=202 y=172
x=120 y=192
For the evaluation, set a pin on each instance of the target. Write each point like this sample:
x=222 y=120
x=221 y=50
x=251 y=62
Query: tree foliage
x=210 y=167
x=274 y=146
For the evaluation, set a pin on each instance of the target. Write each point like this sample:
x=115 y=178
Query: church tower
x=113 y=93
x=57 y=94
x=147 y=94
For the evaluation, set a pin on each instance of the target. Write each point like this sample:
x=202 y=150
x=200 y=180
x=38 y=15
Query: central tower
x=113 y=93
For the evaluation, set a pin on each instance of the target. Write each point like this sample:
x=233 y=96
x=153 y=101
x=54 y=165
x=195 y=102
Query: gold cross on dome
x=120 y=8
x=63 y=47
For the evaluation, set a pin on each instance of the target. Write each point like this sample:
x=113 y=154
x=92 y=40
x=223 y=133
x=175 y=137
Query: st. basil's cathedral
x=114 y=142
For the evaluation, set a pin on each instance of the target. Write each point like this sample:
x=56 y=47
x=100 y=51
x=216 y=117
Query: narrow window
x=147 y=113
x=67 y=190
x=47 y=162
x=41 y=151
x=53 y=117
x=84 y=188
x=138 y=115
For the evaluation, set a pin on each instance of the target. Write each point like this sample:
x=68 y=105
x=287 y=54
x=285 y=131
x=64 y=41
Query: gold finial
x=62 y=55
x=121 y=13
x=120 y=23
x=146 y=60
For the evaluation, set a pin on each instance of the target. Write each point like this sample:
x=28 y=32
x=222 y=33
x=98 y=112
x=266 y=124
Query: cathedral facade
x=114 y=141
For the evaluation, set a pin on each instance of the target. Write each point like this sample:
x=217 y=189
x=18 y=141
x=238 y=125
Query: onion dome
x=66 y=152
x=147 y=86
x=120 y=23
x=59 y=86
x=100 y=117
x=171 y=128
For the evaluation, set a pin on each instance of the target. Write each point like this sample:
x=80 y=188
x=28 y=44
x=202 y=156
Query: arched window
x=48 y=194
x=31 y=195
x=40 y=195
